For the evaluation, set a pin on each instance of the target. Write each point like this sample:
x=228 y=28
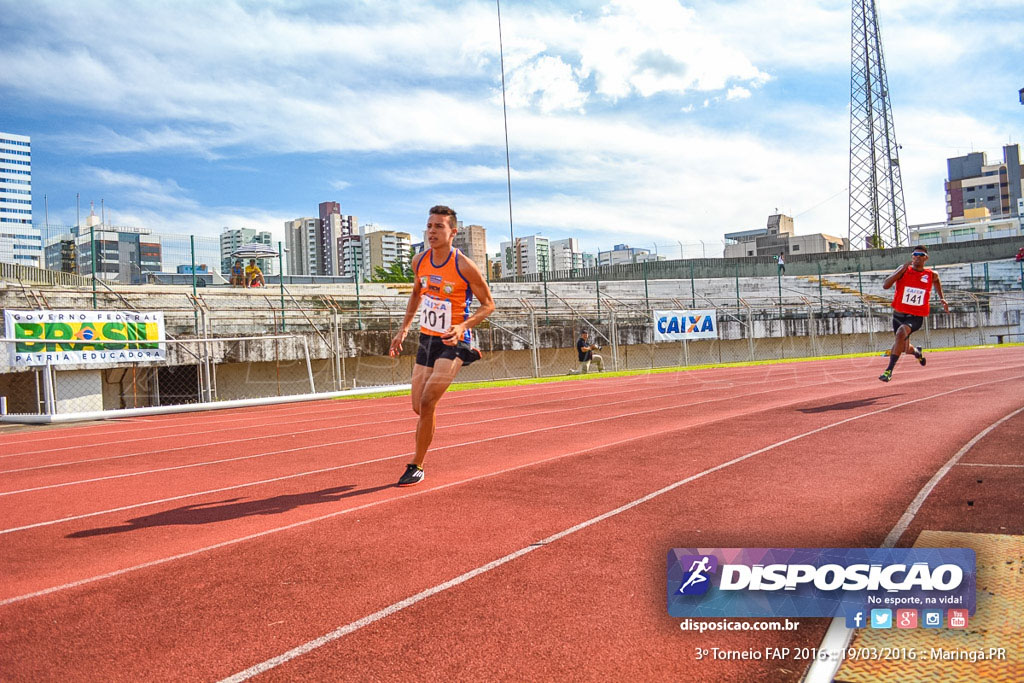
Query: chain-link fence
x=227 y=344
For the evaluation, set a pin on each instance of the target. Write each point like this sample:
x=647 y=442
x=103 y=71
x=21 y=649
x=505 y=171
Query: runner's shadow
x=846 y=405
x=231 y=508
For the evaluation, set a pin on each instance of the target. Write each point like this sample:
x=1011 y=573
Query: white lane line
x=985 y=464
x=319 y=446
x=321 y=416
x=338 y=409
x=294 y=525
x=838 y=637
x=391 y=457
x=396 y=607
x=265 y=437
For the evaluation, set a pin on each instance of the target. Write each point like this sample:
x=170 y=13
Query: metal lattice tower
x=878 y=216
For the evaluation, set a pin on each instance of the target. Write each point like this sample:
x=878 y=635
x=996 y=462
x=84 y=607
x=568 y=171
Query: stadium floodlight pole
x=504 y=115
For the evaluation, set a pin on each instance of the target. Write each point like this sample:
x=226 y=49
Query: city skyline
x=648 y=125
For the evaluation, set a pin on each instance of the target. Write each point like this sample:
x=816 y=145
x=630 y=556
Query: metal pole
x=647 y=300
x=597 y=281
x=504 y=115
x=192 y=249
x=48 y=402
x=737 y=287
x=821 y=303
x=986 y=277
x=1021 y=264
x=309 y=365
x=280 y=275
x=355 y=276
x=615 y=343
x=860 y=281
x=544 y=279
x=693 y=290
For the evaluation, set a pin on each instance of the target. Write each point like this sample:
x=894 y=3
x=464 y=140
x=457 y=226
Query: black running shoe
x=886 y=376
x=920 y=358
x=413 y=475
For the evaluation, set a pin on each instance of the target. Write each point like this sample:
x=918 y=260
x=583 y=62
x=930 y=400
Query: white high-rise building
x=300 y=238
x=532 y=255
x=19 y=242
x=233 y=238
x=566 y=254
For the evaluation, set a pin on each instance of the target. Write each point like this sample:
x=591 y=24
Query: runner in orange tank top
x=910 y=305
x=444 y=284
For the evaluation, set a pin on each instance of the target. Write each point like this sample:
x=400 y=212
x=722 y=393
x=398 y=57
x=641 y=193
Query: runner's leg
x=433 y=389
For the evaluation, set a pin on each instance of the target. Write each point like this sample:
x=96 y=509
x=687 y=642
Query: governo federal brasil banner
x=84 y=337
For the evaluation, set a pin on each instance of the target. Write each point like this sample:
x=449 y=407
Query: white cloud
x=665 y=119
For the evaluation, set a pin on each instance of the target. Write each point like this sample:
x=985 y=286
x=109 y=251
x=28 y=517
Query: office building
x=123 y=254
x=779 y=236
x=973 y=183
x=623 y=253
x=20 y=243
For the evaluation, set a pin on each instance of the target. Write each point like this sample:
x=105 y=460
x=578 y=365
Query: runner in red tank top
x=914 y=285
x=445 y=283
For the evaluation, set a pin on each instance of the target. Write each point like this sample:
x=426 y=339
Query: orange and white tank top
x=446 y=293
x=913 y=292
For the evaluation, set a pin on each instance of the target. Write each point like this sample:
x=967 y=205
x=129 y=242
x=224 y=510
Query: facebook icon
x=855 y=619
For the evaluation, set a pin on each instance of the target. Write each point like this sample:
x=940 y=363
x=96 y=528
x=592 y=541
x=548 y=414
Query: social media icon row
x=905 y=618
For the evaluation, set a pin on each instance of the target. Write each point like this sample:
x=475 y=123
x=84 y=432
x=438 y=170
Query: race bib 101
x=436 y=315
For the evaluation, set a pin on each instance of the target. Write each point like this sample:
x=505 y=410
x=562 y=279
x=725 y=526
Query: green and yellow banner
x=84 y=337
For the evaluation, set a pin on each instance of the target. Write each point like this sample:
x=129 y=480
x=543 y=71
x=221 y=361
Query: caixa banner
x=84 y=337
x=689 y=325
x=817 y=582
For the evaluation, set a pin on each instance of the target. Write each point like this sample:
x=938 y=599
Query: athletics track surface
x=201 y=546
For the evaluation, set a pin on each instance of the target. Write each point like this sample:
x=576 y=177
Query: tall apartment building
x=972 y=183
x=334 y=226
x=532 y=254
x=233 y=238
x=300 y=238
x=19 y=242
x=472 y=241
x=383 y=248
x=566 y=254
x=350 y=257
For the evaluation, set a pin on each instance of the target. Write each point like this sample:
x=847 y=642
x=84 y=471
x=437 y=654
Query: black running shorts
x=431 y=348
x=914 y=322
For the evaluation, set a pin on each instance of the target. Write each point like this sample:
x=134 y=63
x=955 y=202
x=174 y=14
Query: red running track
x=272 y=542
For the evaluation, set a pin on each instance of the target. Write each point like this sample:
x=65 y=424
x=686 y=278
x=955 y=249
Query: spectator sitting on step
x=253 y=275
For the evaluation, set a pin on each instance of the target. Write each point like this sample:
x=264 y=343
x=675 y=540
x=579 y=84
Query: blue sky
x=650 y=123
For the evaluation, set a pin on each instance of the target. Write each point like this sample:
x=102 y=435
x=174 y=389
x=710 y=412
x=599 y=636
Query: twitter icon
x=881 y=618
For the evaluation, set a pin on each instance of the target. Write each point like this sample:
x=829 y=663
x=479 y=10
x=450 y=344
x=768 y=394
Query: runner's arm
x=938 y=288
x=891 y=280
